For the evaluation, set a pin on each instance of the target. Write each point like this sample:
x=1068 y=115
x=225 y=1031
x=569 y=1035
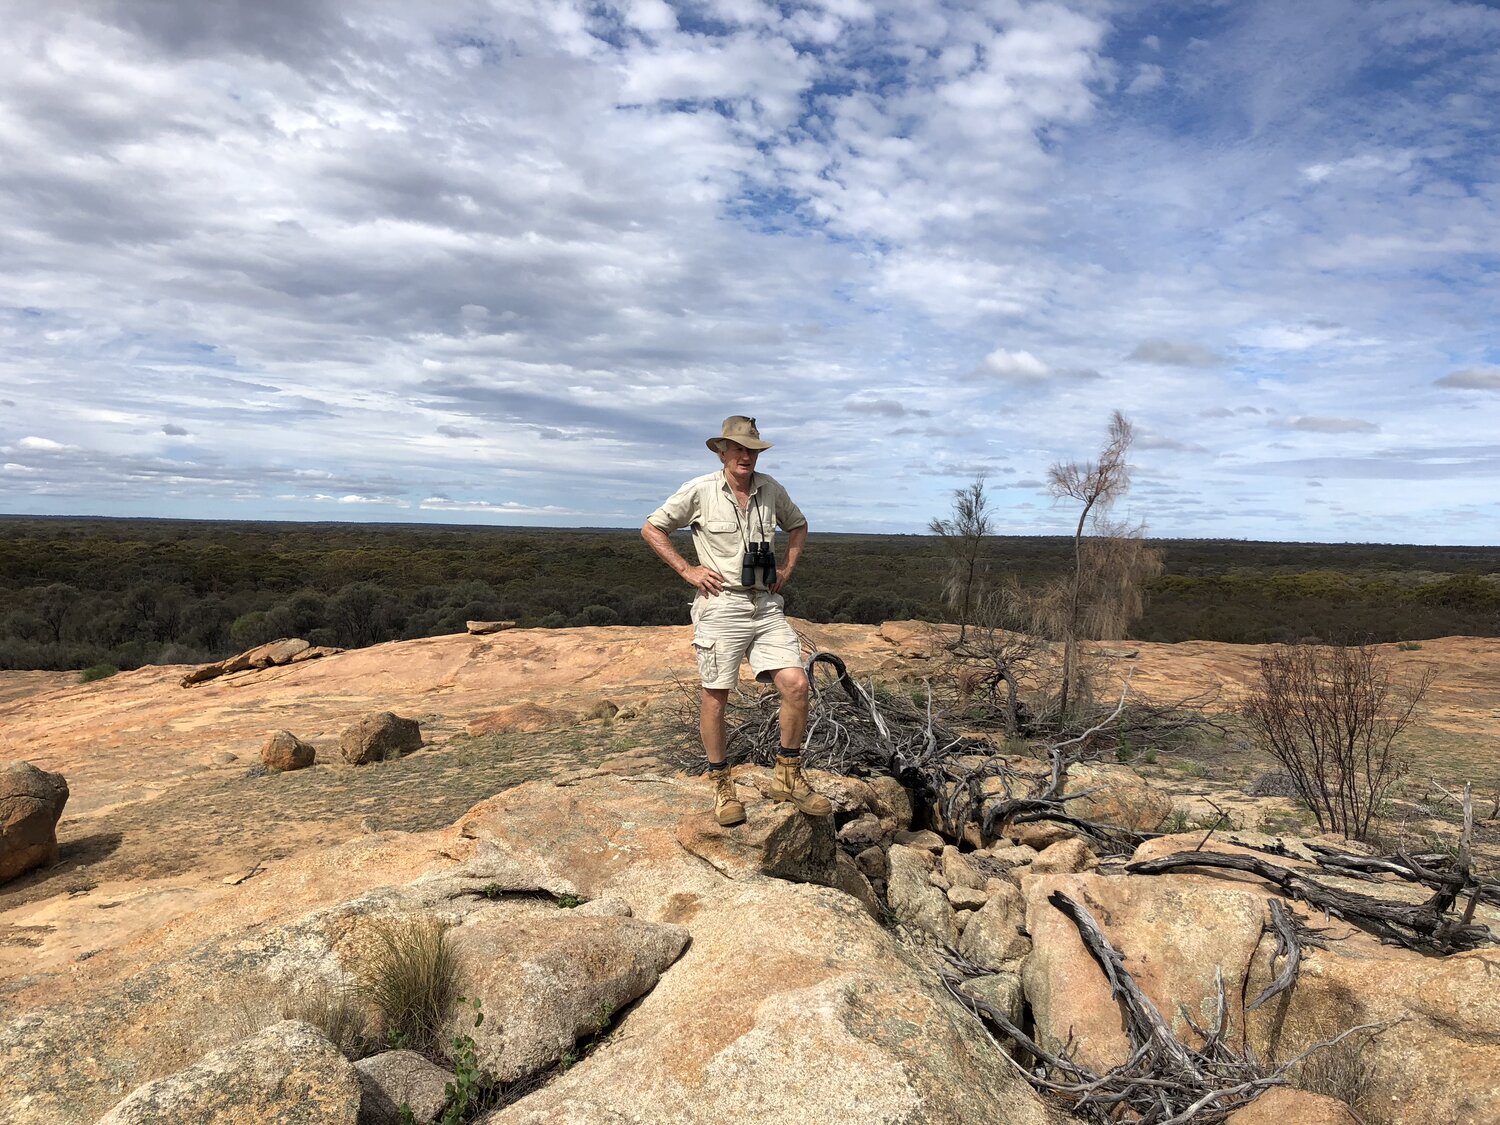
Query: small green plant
x=568 y=902
x=1149 y=757
x=569 y=1059
x=411 y=976
x=1177 y=821
x=1193 y=769
x=1409 y=646
x=96 y=672
x=405 y=1114
x=492 y=890
x=469 y=1091
x=602 y=1015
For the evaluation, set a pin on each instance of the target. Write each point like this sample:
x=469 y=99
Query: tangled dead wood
x=1163 y=1081
x=968 y=781
x=965 y=782
x=1433 y=926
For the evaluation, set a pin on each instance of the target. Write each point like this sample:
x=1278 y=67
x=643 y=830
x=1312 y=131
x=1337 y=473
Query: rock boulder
x=379 y=736
x=284 y=751
x=791 y=1004
x=775 y=840
x=913 y=898
x=546 y=980
x=31 y=803
x=1282 y=1105
x=393 y=1079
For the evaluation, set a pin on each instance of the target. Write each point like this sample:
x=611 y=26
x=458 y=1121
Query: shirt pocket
x=720 y=527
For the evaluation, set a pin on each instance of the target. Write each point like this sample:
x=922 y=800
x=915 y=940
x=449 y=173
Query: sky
x=513 y=262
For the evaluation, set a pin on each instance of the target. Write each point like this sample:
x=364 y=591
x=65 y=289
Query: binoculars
x=758 y=556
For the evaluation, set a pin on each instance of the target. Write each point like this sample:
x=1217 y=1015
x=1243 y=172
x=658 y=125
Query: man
x=730 y=511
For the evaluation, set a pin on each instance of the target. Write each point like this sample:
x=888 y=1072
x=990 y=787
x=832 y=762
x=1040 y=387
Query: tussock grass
x=411 y=976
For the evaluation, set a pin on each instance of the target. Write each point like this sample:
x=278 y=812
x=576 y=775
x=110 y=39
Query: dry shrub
x=411 y=976
x=336 y=1008
x=1330 y=716
x=1342 y=1071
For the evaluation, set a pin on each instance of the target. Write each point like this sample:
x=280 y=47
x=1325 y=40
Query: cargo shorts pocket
x=705 y=649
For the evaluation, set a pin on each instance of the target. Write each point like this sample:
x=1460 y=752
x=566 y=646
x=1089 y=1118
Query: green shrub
x=96 y=672
x=411 y=976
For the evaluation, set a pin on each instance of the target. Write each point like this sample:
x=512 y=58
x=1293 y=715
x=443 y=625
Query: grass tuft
x=411 y=976
x=337 y=1009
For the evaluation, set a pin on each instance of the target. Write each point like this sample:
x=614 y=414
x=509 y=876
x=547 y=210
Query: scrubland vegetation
x=75 y=593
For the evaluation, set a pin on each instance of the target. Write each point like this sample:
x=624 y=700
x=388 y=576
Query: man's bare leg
x=711 y=723
x=792 y=684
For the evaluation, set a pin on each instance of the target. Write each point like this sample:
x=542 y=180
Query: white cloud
x=1017 y=366
x=506 y=508
x=1148 y=77
x=389 y=501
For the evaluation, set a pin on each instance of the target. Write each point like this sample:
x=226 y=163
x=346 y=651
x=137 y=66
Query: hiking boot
x=727 y=807
x=788 y=784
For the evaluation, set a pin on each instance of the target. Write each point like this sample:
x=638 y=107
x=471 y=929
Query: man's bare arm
x=796 y=539
x=706 y=581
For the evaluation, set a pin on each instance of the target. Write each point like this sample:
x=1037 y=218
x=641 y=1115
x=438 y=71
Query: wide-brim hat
x=737 y=428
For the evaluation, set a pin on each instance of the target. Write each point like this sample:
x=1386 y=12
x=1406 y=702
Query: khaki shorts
x=728 y=625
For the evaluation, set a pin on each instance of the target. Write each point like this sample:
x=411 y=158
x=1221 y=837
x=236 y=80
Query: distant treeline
x=76 y=592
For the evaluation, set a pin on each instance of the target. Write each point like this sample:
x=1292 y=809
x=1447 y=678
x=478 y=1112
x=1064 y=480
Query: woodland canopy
x=81 y=592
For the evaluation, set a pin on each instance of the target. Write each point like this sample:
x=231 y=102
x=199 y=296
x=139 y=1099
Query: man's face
x=738 y=461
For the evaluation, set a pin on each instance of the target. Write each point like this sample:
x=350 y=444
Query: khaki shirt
x=720 y=528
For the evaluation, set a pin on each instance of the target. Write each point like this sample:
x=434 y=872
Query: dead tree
x=1102 y=593
x=962 y=535
x=1437 y=926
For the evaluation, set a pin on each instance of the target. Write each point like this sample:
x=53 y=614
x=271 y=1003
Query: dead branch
x=1291 y=936
x=1428 y=927
x=1163 y=1081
